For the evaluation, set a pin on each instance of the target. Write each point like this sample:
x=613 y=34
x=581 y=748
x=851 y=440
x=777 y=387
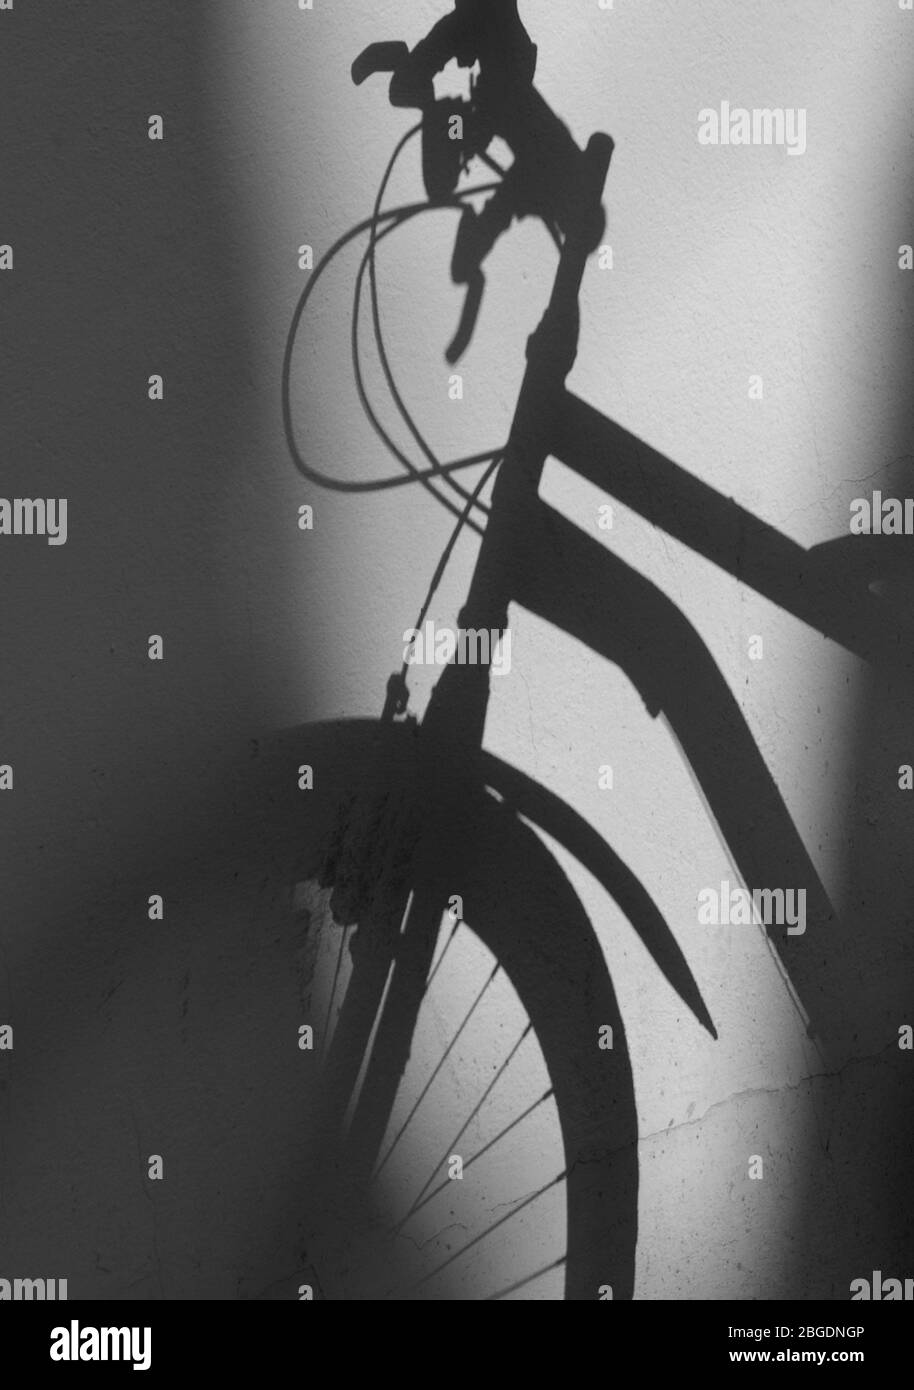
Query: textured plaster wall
x=727 y=262
x=175 y=1040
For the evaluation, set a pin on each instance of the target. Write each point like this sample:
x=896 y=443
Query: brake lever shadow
x=469 y=315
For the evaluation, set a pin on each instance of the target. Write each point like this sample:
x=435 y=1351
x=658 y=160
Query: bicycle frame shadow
x=582 y=588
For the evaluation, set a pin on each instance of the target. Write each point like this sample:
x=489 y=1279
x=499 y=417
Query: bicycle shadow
x=843 y=591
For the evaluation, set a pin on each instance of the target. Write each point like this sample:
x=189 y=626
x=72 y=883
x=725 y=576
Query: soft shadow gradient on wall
x=136 y=1037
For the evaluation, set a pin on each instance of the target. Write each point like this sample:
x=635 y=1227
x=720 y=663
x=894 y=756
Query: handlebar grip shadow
x=378 y=57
